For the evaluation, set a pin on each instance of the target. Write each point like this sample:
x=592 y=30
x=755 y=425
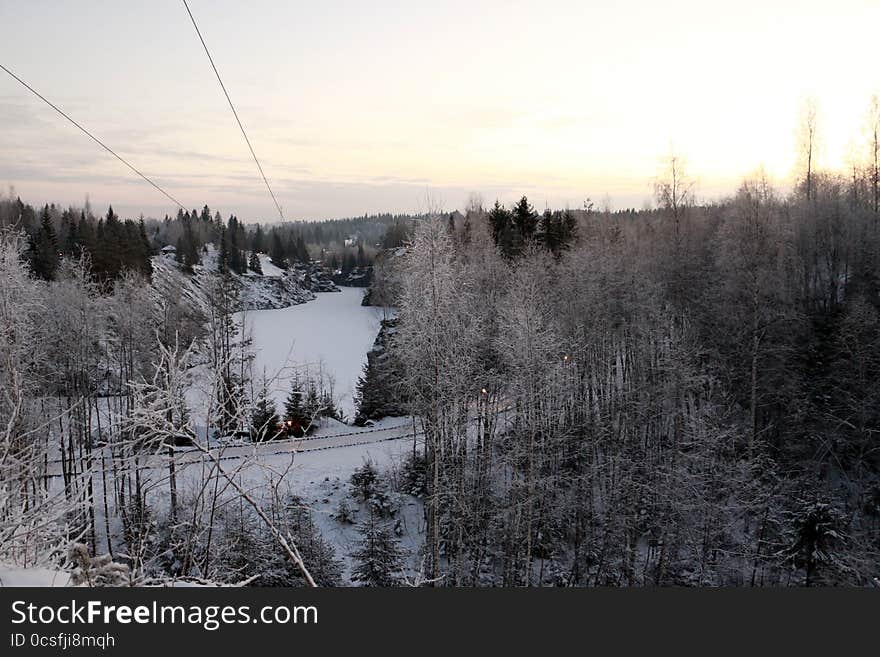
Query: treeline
x=344 y=244
x=114 y=245
x=110 y=244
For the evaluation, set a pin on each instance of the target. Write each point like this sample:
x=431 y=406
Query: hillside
x=274 y=289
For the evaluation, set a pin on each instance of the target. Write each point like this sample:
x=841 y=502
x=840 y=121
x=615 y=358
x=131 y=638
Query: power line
x=90 y=135
x=232 y=107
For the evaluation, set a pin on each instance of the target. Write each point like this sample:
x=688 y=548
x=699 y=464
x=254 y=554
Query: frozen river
x=333 y=332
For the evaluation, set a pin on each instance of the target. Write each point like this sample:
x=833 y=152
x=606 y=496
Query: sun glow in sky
x=359 y=107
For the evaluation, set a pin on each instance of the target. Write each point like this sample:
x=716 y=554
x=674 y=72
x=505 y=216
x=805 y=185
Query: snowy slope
x=278 y=290
x=268 y=268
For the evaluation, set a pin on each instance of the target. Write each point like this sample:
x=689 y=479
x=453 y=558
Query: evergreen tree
x=264 y=421
x=254 y=263
x=276 y=251
x=328 y=407
x=187 y=244
x=525 y=222
x=557 y=230
x=295 y=418
x=223 y=252
x=144 y=265
x=180 y=248
x=378 y=559
x=258 y=242
x=550 y=231
x=228 y=399
x=818 y=529
x=302 y=252
x=567 y=229
x=500 y=223
x=67 y=234
x=84 y=239
x=312 y=406
x=44 y=248
x=235 y=238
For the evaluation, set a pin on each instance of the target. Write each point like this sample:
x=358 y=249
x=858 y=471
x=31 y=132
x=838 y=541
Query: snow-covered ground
x=333 y=333
x=43 y=577
x=268 y=268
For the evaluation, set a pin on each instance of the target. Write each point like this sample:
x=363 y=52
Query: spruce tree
x=144 y=265
x=502 y=233
x=84 y=240
x=44 y=248
x=258 y=243
x=378 y=559
x=254 y=263
x=264 y=421
x=223 y=253
x=312 y=406
x=294 y=411
x=525 y=221
x=567 y=229
x=276 y=251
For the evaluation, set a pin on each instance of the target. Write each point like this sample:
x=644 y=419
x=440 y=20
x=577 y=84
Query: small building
x=169 y=250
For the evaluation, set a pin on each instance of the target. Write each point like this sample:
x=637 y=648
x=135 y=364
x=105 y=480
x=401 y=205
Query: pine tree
x=264 y=421
x=378 y=559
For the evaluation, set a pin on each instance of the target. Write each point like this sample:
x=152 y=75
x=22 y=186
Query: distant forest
x=114 y=245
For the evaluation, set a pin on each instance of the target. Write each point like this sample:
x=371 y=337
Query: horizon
x=354 y=111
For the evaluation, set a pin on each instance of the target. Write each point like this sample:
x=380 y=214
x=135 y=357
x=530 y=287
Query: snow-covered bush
x=96 y=571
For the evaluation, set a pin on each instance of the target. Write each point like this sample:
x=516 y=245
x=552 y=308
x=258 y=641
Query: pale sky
x=370 y=106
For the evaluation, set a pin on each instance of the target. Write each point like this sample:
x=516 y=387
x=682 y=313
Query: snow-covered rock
x=273 y=290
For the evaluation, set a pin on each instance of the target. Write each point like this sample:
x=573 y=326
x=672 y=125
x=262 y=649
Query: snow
x=268 y=268
x=318 y=470
x=44 y=577
x=331 y=334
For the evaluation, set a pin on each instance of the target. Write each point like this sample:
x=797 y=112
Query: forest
x=114 y=245
x=685 y=395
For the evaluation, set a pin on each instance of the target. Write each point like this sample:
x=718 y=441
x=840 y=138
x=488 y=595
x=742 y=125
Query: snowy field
x=332 y=334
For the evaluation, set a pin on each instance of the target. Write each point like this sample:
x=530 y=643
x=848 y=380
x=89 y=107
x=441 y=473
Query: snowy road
x=338 y=435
